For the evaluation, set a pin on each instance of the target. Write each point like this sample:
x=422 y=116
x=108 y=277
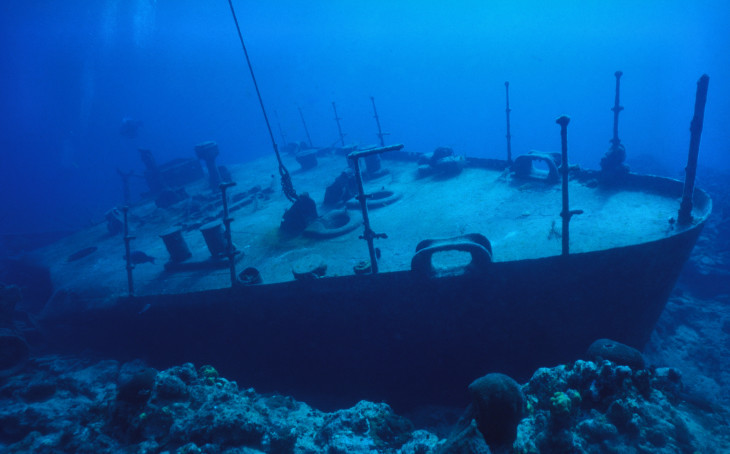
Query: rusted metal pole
x=281 y=130
x=368 y=235
x=125 y=185
x=509 y=136
x=613 y=168
x=617 y=108
x=381 y=134
x=230 y=251
x=566 y=213
x=339 y=127
x=128 y=252
x=306 y=130
x=685 y=208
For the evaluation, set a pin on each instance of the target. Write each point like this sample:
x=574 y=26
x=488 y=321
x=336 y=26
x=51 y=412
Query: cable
x=286 y=183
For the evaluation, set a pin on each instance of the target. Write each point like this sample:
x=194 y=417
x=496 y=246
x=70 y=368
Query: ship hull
x=403 y=337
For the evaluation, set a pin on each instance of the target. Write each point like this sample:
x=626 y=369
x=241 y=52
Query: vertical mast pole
x=613 y=168
x=685 y=208
x=381 y=134
x=306 y=130
x=339 y=128
x=617 y=108
x=281 y=130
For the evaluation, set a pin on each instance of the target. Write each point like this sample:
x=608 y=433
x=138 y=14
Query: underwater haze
x=72 y=71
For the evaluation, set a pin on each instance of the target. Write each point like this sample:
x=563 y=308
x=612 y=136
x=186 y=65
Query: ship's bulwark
x=398 y=337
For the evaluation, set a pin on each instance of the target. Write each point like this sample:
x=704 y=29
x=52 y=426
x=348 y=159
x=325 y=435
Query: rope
x=286 y=184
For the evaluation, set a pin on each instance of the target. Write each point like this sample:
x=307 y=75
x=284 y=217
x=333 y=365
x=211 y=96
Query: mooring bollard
x=176 y=245
x=214 y=238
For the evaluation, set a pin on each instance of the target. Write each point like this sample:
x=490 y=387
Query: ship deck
x=521 y=218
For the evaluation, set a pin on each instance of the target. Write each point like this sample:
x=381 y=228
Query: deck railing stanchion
x=566 y=213
x=128 y=252
x=368 y=234
x=230 y=251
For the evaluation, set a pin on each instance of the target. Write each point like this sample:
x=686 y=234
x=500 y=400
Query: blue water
x=72 y=70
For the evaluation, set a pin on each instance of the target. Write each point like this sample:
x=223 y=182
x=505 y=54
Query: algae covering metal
x=521 y=218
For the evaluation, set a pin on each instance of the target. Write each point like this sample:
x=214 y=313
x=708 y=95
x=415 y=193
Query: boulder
x=616 y=352
x=498 y=405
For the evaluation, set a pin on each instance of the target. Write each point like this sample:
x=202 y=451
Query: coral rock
x=616 y=352
x=499 y=405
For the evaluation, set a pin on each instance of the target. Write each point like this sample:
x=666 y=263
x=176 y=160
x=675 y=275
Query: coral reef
x=71 y=404
x=605 y=407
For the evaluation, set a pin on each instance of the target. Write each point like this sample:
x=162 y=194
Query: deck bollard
x=176 y=245
x=214 y=238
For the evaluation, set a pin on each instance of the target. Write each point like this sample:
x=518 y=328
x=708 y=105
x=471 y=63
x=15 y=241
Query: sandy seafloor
x=679 y=403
